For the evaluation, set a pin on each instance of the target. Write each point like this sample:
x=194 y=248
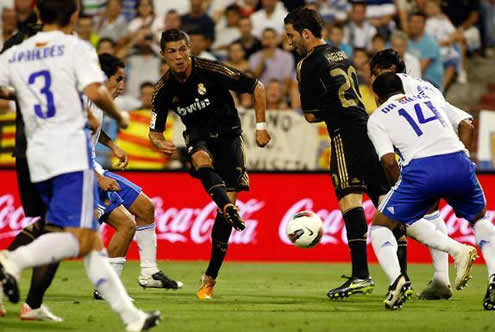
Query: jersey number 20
x=347 y=85
x=50 y=104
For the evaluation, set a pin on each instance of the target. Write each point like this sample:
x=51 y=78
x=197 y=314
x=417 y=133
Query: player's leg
x=125 y=228
x=214 y=185
x=439 y=287
x=348 y=175
x=230 y=164
x=141 y=206
x=70 y=198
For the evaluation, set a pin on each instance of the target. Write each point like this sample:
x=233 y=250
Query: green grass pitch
x=260 y=297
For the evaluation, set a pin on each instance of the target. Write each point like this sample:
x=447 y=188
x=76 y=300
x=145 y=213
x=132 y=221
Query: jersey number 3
x=347 y=85
x=50 y=104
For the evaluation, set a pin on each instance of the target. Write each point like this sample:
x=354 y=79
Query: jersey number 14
x=421 y=117
x=45 y=90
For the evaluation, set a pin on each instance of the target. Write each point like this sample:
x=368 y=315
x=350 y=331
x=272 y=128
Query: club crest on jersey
x=201 y=89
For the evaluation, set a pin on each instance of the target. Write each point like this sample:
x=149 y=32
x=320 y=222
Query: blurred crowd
x=433 y=36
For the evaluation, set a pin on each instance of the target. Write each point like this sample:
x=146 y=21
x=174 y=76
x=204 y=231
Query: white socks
x=46 y=249
x=426 y=233
x=146 y=241
x=117 y=263
x=440 y=258
x=484 y=232
x=110 y=287
x=385 y=247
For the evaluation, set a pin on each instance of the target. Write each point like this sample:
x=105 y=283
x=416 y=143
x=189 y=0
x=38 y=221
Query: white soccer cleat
x=42 y=313
x=145 y=322
x=463 y=263
x=158 y=280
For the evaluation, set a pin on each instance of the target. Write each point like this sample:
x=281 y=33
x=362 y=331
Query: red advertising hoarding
x=185 y=215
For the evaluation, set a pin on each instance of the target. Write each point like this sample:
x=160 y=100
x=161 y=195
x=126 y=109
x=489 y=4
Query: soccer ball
x=305 y=229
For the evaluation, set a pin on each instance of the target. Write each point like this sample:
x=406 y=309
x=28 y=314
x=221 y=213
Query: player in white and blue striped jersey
x=435 y=166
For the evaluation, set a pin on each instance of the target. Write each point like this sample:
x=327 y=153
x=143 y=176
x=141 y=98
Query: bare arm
x=262 y=136
x=466 y=132
x=391 y=168
x=312 y=118
x=159 y=142
x=471 y=20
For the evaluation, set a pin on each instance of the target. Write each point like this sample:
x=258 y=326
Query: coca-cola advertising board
x=184 y=216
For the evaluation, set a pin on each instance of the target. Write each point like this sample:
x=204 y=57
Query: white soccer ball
x=305 y=229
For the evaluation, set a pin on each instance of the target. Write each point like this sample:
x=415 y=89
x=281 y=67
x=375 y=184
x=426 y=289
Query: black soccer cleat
x=152 y=320
x=397 y=293
x=489 y=300
x=97 y=296
x=232 y=216
x=8 y=281
x=352 y=286
x=159 y=280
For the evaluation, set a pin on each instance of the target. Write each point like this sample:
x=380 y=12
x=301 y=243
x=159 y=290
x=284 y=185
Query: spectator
x=488 y=19
x=85 y=30
x=112 y=24
x=129 y=9
x=92 y=8
x=145 y=16
x=9 y=23
x=271 y=15
x=334 y=11
x=170 y=21
x=249 y=42
x=426 y=49
x=378 y=43
x=143 y=65
x=105 y=45
x=275 y=96
x=398 y=41
x=380 y=14
x=404 y=7
x=199 y=45
x=271 y=62
x=237 y=57
x=216 y=8
x=360 y=56
x=439 y=27
x=23 y=9
x=464 y=14
x=359 y=32
x=198 y=20
x=227 y=30
x=336 y=35
x=164 y=6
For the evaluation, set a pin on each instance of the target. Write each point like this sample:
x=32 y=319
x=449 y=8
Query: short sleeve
x=86 y=65
x=159 y=110
x=378 y=135
x=4 y=70
x=431 y=50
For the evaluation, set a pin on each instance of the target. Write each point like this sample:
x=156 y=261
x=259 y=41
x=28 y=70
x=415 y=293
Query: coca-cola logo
x=334 y=227
x=12 y=218
x=194 y=224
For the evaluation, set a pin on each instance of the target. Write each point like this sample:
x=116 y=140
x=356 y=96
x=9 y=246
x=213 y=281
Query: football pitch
x=259 y=297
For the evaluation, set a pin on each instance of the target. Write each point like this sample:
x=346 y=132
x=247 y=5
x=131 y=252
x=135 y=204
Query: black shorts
x=31 y=201
x=228 y=157
x=354 y=165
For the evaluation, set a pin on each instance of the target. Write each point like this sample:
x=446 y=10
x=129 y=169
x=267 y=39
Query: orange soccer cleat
x=205 y=292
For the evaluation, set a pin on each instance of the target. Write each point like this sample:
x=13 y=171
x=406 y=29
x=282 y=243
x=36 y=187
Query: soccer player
x=329 y=92
x=417 y=127
x=120 y=198
x=198 y=91
x=48 y=72
x=389 y=60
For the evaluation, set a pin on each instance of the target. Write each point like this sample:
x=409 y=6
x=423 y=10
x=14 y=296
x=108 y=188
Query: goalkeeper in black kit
x=198 y=90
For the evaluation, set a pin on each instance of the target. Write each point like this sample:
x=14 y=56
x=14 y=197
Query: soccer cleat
x=205 y=292
x=489 y=300
x=9 y=278
x=436 y=290
x=463 y=263
x=352 y=286
x=396 y=295
x=42 y=313
x=158 y=280
x=97 y=296
x=145 y=322
x=232 y=216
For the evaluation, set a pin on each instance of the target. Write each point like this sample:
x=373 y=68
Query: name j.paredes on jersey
x=42 y=51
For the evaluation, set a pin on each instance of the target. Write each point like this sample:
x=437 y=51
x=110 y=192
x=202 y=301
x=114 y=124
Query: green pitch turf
x=260 y=297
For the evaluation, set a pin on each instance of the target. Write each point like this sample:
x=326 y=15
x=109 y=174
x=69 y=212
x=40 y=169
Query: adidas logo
x=391 y=209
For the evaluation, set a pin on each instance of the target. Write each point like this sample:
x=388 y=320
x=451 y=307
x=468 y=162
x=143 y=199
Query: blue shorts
x=108 y=201
x=129 y=192
x=71 y=199
x=424 y=181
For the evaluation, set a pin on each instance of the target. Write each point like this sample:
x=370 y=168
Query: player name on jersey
x=38 y=53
